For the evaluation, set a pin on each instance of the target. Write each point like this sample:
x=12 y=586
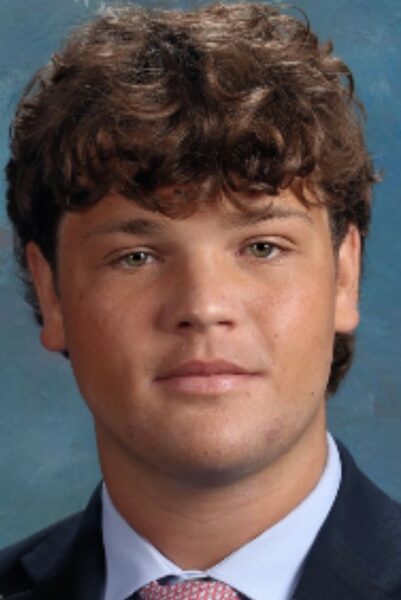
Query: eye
x=262 y=249
x=136 y=259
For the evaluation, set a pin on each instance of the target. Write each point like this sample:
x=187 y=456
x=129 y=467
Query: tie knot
x=195 y=589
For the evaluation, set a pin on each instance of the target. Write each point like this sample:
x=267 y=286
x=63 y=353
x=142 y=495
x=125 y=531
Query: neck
x=197 y=526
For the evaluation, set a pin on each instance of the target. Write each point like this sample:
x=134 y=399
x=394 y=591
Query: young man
x=190 y=193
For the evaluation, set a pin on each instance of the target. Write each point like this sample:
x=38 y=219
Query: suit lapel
x=20 y=596
x=68 y=564
x=328 y=577
x=357 y=553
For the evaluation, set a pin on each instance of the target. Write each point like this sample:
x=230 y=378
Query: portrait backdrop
x=48 y=463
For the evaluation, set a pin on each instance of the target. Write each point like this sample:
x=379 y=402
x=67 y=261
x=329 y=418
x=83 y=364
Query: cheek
x=297 y=321
x=306 y=318
x=104 y=314
x=105 y=332
x=306 y=302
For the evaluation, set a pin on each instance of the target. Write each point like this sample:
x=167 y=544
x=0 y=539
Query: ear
x=347 y=283
x=52 y=335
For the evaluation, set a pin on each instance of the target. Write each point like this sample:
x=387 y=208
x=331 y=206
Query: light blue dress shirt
x=266 y=568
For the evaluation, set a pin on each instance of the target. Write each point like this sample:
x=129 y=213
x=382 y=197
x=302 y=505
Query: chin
x=215 y=465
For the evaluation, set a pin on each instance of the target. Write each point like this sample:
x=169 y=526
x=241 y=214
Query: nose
x=202 y=294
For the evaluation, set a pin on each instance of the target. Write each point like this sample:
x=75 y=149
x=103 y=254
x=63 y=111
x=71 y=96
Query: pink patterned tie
x=188 y=590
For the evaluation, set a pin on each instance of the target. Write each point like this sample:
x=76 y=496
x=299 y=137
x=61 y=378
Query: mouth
x=213 y=377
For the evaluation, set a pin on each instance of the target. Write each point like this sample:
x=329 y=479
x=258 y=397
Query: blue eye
x=262 y=249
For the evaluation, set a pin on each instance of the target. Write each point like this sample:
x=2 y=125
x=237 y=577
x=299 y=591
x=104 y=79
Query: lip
x=205 y=369
x=212 y=377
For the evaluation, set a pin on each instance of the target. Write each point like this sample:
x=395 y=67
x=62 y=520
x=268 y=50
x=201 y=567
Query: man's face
x=150 y=308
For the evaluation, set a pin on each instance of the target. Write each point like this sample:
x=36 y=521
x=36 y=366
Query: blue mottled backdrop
x=47 y=453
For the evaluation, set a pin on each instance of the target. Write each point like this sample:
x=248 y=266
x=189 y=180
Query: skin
x=187 y=462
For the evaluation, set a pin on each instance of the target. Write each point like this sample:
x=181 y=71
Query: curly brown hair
x=238 y=98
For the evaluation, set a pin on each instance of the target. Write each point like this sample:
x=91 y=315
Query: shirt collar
x=273 y=561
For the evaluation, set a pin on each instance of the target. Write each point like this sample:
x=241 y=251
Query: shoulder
x=55 y=562
x=12 y=553
x=357 y=553
x=372 y=519
x=368 y=505
x=12 y=572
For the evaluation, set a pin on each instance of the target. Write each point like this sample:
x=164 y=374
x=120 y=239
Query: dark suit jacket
x=356 y=556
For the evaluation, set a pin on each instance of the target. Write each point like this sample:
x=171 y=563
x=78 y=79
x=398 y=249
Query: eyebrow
x=131 y=226
x=143 y=227
x=269 y=213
